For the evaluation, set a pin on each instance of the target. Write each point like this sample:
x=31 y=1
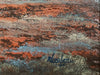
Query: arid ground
x=32 y=30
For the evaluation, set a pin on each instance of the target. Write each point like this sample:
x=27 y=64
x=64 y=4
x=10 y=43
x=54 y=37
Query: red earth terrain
x=12 y=36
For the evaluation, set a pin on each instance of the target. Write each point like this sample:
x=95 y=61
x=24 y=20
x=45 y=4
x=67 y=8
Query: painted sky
x=45 y=1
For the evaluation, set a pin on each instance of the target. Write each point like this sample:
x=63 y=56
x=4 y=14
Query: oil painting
x=49 y=37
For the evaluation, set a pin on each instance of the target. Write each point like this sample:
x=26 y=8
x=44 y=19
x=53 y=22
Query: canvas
x=49 y=37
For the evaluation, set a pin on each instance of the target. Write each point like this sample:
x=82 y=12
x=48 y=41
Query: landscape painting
x=49 y=37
